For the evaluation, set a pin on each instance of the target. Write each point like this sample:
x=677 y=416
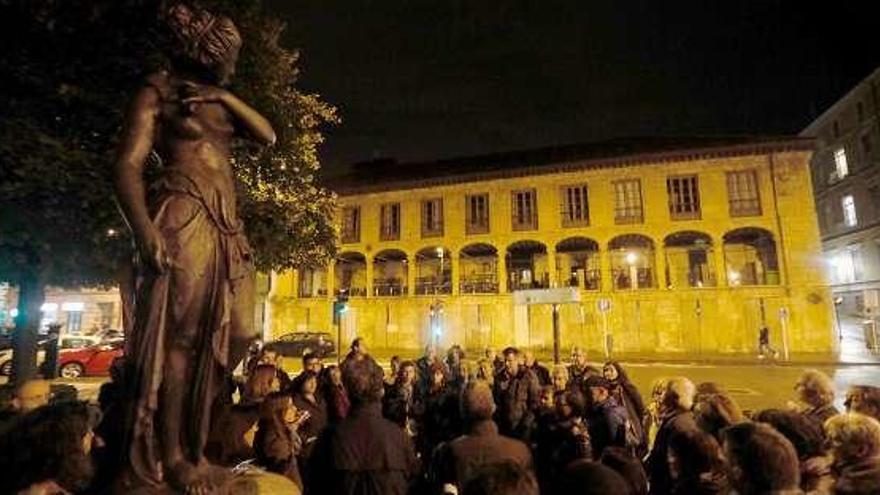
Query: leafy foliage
x=67 y=71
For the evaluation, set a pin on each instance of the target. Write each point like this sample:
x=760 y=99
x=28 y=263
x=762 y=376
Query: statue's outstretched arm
x=128 y=175
x=255 y=124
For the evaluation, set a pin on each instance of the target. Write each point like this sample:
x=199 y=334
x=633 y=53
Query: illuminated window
x=524 y=209
x=849 y=211
x=351 y=224
x=743 y=197
x=389 y=228
x=575 y=206
x=477 y=213
x=628 y=201
x=684 y=197
x=840 y=165
x=432 y=217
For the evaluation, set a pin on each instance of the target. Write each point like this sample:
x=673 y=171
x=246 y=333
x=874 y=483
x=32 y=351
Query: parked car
x=88 y=361
x=65 y=344
x=300 y=343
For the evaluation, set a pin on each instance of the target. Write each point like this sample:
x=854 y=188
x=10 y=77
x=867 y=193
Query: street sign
x=561 y=295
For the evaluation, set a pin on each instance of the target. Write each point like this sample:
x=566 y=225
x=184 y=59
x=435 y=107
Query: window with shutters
x=477 y=213
x=743 y=196
x=575 y=206
x=684 y=197
x=841 y=166
x=389 y=225
x=524 y=209
x=628 y=201
x=351 y=225
x=432 y=217
x=849 y=211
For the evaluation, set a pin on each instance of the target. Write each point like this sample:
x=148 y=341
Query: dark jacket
x=861 y=478
x=577 y=376
x=516 y=398
x=337 y=402
x=607 y=426
x=657 y=464
x=314 y=426
x=440 y=421
x=402 y=406
x=541 y=373
x=364 y=454
x=276 y=448
x=710 y=483
x=458 y=461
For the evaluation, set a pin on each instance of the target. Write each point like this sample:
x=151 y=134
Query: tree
x=66 y=73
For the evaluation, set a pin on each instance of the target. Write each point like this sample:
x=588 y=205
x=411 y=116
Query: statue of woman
x=194 y=299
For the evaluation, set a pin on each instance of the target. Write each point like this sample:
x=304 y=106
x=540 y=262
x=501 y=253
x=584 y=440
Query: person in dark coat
x=561 y=437
x=628 y=467
x=517 y=396
x=276 y=442
x=855 y=447
x=402 y=402
x=441 y=419
x=628 y=396
x=607 y=420
x=335 y=395
x=307 y=399
x=458 y=461
x=590 y=478
x=676 y=418
x=363 y=453
x=541 y=372
x=580 y=369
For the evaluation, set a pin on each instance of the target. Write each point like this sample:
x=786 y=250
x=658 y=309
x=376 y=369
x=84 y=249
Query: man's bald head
x=31 y=395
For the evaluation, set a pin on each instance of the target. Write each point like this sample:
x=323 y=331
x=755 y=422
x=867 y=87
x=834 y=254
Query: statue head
x=204 y=42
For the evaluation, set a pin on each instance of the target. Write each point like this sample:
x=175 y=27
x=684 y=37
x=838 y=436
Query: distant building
x=846 y=179
x=688 y=245
x=77 y=311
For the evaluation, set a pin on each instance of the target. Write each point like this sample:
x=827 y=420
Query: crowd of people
x=496 y=425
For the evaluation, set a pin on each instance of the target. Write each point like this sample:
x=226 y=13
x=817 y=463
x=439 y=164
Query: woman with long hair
x=306 y=398
x=335 y=395
x=627 y=395
x=277 y=442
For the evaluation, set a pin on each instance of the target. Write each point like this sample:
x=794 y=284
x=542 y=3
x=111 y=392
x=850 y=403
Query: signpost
x=554 y=297
x=783 y=321
x=604 y=306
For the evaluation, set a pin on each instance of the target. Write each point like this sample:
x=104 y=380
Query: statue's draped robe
x=188 y=306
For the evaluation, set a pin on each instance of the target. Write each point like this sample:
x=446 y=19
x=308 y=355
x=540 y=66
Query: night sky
x=420 y=80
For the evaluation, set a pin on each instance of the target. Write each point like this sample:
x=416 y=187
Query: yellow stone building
x=688 y=245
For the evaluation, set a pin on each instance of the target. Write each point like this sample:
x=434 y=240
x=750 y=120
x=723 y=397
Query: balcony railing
x=352 y=291
x=590 y=281
x=389 y=287
x=542 y=282
x=305 y=293
x=433 y=285
x=481 y=283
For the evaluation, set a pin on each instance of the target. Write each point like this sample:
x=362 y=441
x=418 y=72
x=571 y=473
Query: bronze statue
x=194 y=299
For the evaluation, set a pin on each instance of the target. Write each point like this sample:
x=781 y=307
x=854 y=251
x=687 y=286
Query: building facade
x=80 y=311
x=685 y=246
x=846 y=180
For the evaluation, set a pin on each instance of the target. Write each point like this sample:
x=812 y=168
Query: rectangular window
x=477 y=213
x=524 y=209
x=841 y=168
x=860 y=111
x=575 y=206
x=855 y=252
x=684 y=197
x=351 y=224
x=743 y=196
x=849 y=211
x=866 y=144
x=628 y=201
x=432 y=217
x=389 y=227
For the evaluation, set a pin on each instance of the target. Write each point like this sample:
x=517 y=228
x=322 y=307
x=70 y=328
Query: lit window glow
x=849 y=211
x=49 y=307
x=840 y=164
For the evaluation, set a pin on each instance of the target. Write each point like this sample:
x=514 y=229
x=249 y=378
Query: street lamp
x=436 y=313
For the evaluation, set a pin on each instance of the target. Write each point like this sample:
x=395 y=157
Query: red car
x=92 y=360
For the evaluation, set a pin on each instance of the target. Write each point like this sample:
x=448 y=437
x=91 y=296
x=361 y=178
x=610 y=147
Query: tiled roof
x=385 y=175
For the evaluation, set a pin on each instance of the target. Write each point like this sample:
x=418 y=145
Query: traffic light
x=340 y=306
